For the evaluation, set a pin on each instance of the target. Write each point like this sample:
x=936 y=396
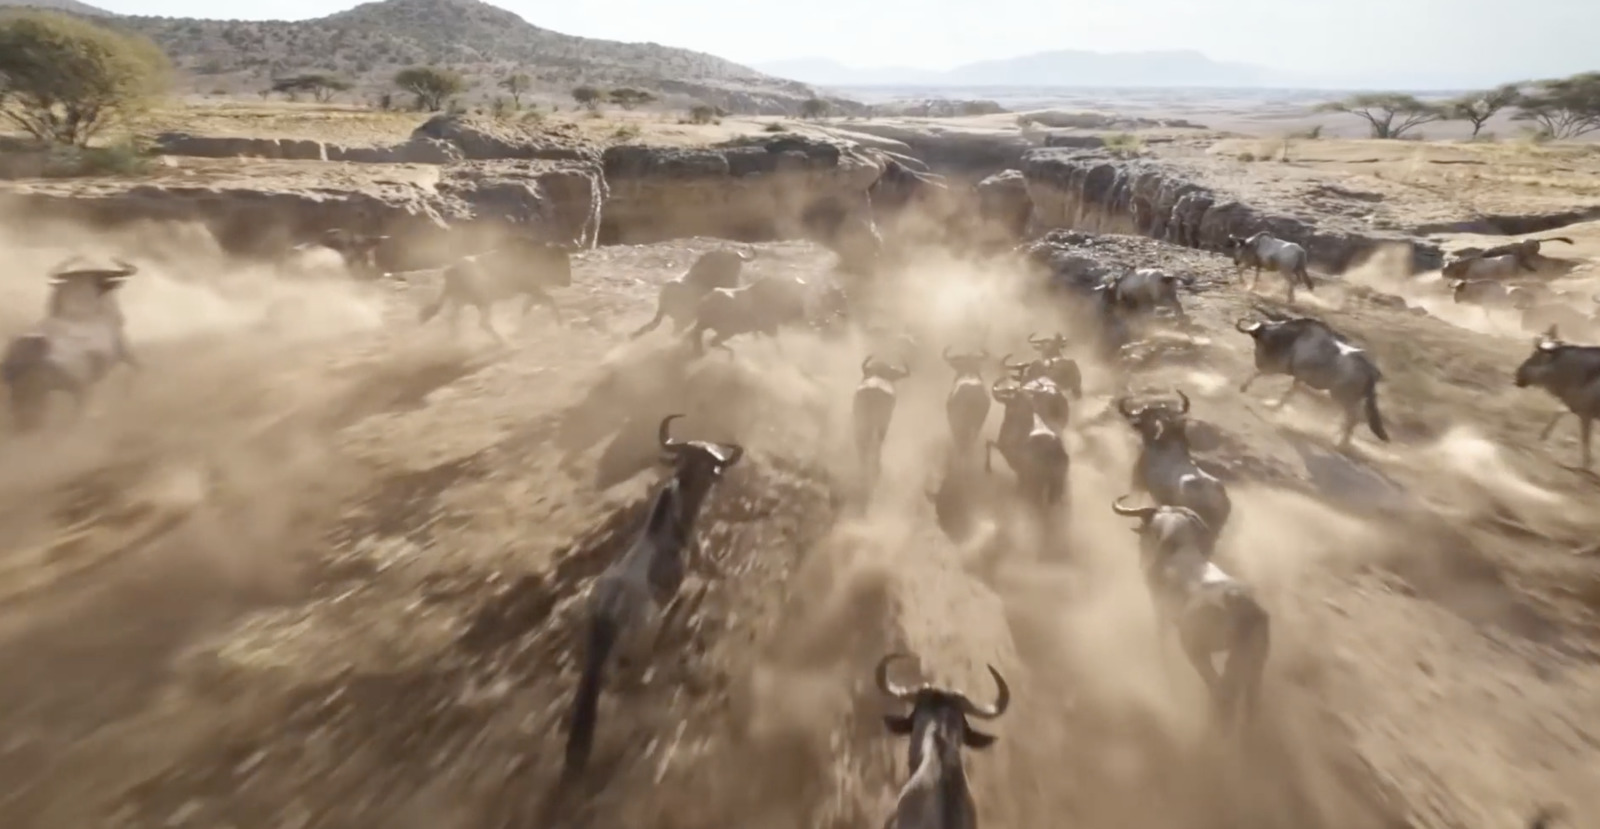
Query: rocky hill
x=59 y=5
x=371 y=42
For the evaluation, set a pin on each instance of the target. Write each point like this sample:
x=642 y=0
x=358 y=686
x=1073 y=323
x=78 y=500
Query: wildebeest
x=1143 y=290
x=1571 y=374
x=1033 y=450
x=1475 y=268
x=1210 y=611
x=77 y=343
x=679 y=297
x=523 y=267
x=1165 y=467
x=959 y=500
x=967 y=406
x=1056 y=365
x=1314 y=355
x=636 y=592
x=1263 y=250
x=871 y=410
x=358 y=250
x=936 y=796
x=1489 y=293
x=761 y=307
x=1048 y=398
x=1524 y=251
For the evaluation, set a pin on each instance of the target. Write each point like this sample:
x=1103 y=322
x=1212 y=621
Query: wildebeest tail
x=1374 y=419
x=22 y=355
x=586 y=703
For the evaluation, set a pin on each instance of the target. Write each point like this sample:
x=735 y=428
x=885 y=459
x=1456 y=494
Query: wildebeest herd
x=1208 y=610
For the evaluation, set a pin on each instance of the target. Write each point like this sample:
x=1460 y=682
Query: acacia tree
x=1562 y=107
x=1388 y=114
x=1479 y=107
x=430 y=84
x=628 y=98
x=65 y=79
x=322 y=86
x=814 y=108
x=515 y=84
x=587 y=96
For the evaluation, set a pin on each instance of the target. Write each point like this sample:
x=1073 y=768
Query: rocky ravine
x=463 y=171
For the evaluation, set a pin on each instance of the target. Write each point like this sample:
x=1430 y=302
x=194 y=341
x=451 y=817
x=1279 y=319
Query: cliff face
x=262 y=208
x=782 y=186
x=1093 y=191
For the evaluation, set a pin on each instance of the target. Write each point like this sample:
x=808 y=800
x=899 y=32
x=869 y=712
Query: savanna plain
x=316 y=564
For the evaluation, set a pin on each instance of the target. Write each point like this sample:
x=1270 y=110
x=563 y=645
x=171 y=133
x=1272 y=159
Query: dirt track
x=322 y=574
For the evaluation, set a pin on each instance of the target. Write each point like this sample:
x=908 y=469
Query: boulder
x=752 y=188
x=1093 y=191
x=1004 y=206
x=262 y=208
x=482 y=139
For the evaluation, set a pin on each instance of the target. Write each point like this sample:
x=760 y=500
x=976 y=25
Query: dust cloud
x=209 y=483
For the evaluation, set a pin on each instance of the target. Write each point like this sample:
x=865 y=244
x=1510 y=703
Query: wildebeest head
x=1007 y=391
x=1541 y=366
x=966 y=364
x=1154 y=421
x=1166 y=525
x=941 y=713
x=871 y=367
x=1048 y=347
x=696 y=463
x=84 y=293
x=1023 y=371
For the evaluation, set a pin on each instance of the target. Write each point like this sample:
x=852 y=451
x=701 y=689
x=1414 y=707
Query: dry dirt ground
x=317 y=566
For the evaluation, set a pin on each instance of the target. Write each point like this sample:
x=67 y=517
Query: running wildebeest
x=761 y=307
x=1477 y=268
x=358 y=250
x=1524 y=252
x=1318 y=357
x=1143 y=290
x=1490 y=293
x=1166 y=468
x=639 y=591
x=1048 y=398
x=871 y=409
x=1033 y=450
x=1571 y=374
x=1056 y=365
x=1263 y=250
x=960 y=499
x=967 y=405
x=936 y=796
x=681 y=296
x=522 y=267
x=80 y=340
x=1211 y=611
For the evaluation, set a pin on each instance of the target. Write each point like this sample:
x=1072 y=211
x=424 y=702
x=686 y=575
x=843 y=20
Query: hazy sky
x=1395 y=38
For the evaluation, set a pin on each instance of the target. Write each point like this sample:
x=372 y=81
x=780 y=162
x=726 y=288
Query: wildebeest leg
x=537 y=296
x=1294 y=387
x=1199 y=653
x=486 y=322
x=1245 y=386
x=1551 y=426
x=1255 y=278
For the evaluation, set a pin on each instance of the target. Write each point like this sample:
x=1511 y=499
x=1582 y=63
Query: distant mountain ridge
x=61 y=6
x=368 y=44
x=1067 y=67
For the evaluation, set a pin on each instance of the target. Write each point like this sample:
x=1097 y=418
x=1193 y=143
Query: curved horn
x=1002 y=699
x=1124 y=408
x=865 y=363
x=735 y=452
x=1006 y=362
x=127 y=269
x=664 y=433
x=881 y=677
x=1131 y=512
x=1036 y=339
x=1184 y=399
x=1244 y=326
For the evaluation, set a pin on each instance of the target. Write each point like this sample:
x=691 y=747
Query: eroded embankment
x=1095 y=192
